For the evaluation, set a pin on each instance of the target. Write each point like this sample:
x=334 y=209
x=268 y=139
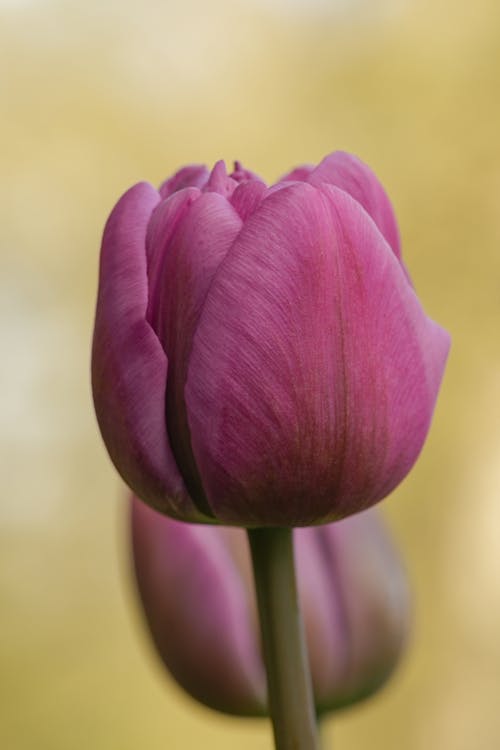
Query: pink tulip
x=260 y=356
x=197 y=592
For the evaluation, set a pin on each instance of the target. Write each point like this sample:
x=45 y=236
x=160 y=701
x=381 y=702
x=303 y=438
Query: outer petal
x=365 y=629
x=349 y=173
x=198 y=611
x=194 y=253
x=310 y=388
x=129 y=367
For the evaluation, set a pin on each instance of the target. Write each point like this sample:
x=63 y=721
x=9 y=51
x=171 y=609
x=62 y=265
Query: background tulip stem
x=290 y=693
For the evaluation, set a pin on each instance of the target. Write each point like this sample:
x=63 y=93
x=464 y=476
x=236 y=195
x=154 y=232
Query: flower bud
x=197 y=592
x=260 y=357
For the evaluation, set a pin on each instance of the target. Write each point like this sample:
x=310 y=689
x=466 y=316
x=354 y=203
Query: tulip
x=198 y=597
x=260 y=356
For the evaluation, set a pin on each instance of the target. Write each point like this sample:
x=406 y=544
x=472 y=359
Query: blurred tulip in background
x=197 y=592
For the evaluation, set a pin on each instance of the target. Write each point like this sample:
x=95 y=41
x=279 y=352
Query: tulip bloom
x=260 y=356
x=198 y=596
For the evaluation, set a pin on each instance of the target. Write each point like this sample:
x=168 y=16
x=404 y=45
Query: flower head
x=198 y=596
x=260 y=356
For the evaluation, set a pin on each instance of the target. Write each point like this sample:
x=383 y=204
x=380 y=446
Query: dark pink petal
x=129 y=367
x=196 y=175
x=194 y=253
x=349 y=173
x=314 y=370
x=198 y=610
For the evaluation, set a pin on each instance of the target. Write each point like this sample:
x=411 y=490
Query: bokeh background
x=98 y=95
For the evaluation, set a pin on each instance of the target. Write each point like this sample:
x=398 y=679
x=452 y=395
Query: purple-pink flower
x=197 y=592
x=260 y=356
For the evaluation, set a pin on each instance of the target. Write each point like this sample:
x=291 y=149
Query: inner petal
x=199 y=244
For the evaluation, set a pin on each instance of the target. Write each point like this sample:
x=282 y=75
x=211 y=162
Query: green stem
x=289 y=686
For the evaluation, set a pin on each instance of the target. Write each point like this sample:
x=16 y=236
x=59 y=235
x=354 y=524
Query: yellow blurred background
x=98 y=95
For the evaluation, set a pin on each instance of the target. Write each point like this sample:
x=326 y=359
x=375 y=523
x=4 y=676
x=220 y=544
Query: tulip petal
x=371 y=590
x=240 y=174
x=247 y=198
x=196 y=175
x=298 y=173
x=310 y=386
x=162 y=225
x=198 y=611
x=324 y=619
x=349 y=173
x=195 y=251
x=220 y=182
x=129 y=366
